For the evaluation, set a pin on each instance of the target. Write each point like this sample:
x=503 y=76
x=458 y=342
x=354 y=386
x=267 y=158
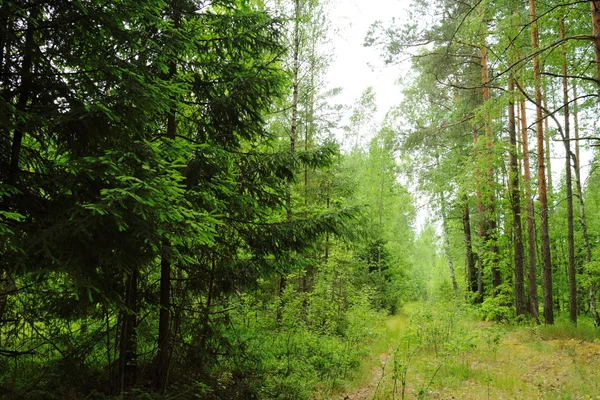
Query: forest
x=189 y=211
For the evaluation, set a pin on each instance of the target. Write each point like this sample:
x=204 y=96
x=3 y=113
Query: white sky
x=356 y=67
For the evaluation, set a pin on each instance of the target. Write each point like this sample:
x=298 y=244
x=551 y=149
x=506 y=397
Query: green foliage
x=499 y=308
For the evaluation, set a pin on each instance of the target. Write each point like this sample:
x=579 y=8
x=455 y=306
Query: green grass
x=446 y=352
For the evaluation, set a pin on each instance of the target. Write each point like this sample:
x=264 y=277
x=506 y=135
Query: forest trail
x=479 y=360
x=367 y=391
x=375 y=371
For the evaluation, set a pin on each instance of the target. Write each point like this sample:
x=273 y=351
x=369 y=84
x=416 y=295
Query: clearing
x=445 y=352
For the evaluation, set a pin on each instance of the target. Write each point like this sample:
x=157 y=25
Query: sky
x=356 y=67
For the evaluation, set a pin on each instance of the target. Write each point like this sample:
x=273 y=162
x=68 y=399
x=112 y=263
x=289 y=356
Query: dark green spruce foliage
x=93 y=192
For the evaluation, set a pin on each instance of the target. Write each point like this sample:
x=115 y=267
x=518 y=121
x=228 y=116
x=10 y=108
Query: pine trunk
x=481 y=226
x=515 y=198
x=595 y=6
x=470 y=260
x=569 y=186
x=488 y=187
x=582 y=219
x=529 y=209
x=447 y=244
x=544 y=226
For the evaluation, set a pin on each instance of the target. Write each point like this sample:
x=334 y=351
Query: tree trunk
x=569 y=185
x=529 y=209
x=7 y=286
x=481 y=226
x=515 y=198
x=547 y=154
x=470 y=261
x=128 y=339
x=544 y=228
x=26 y=82
x=488 y=187
x=447 y=244
x=595 y=6
x=6 y=13
x=164 y=323
x=209 y=303
x=480 y=223
x=293 y=136
x=582 y=219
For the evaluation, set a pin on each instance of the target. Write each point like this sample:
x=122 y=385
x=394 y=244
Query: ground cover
x=446 y=352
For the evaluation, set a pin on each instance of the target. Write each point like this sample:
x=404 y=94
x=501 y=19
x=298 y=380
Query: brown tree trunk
x=595 y=6
x=6 y=13
x=26 y=82
x=569 y=185
x=547 y=154
x=515 y=198
x=128 y=338
x=164 y=323
x=529 y=209
x=447 y=244
x=488 y=187
x=544 y=228
x=7 y=286
x=582 y=219
x=209 y=303
x=470 y=260
x=481 y=222
x=481 y=226
x=293 y=136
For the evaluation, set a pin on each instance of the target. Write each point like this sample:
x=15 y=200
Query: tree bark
x=595 y=7
x=569 y=185
x=7 y=286
x=481 y=226
x=164 y=323
x=529 y=209
x=26 y=82
x=582 y=218
x=128 y=337
x=293 y=136
x=547 y=154
x=470 y=260
x=488 y=187
x=515 y=198
x=544 y=226
x=447 y=244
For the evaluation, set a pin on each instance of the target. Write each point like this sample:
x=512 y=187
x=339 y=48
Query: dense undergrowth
x=261 y=348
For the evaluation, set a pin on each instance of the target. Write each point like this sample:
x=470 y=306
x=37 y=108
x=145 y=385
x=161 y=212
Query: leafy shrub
x=499 y=308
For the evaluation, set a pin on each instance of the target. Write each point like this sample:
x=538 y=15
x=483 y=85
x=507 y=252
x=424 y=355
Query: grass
x=446 y=352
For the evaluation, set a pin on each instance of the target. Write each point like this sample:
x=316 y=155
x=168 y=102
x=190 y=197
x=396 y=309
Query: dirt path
x=394 y=327
x=483 y=361
x=377 y=374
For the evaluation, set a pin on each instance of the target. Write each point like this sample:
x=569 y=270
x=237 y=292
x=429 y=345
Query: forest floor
x=436 y=352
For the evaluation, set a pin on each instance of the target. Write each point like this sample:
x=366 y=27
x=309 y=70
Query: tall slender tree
x=568 y=183
x=543 y=199
x=515 y=199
